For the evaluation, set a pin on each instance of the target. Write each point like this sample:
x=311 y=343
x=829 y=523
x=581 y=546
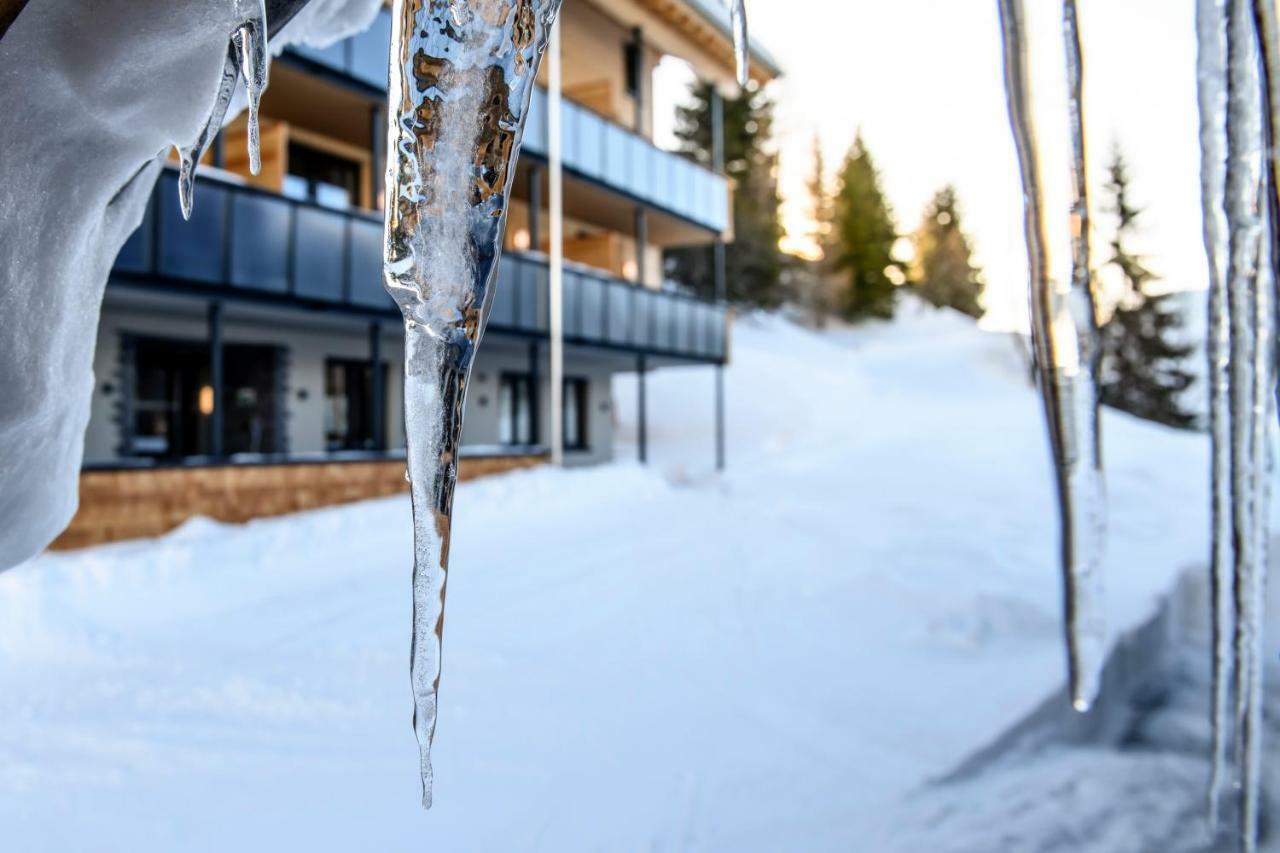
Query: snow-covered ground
x=635 y=658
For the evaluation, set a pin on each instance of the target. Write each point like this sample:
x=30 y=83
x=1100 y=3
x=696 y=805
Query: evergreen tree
x=810 y=279
x=943 y=270
x=1143 y=370
x=753 y=261
x=863 y=235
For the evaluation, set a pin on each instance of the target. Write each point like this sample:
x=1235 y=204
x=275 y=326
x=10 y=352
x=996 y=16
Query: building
x=249 y=362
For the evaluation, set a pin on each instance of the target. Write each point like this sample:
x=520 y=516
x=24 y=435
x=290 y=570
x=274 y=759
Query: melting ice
x=1064 y=333
x=460 y=83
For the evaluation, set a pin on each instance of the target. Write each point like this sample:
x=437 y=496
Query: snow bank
x=94 y=95
x=635 y=658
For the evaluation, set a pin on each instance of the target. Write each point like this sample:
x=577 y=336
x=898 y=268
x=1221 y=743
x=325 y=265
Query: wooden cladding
x=129 y=504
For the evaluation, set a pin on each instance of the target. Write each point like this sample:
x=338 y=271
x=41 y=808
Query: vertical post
x=377 y=153
x=637 y=74
x=535 y=396
x=535 y=207
x=642 y=416
x=719 y=266
x=215 y=378
x=642 y=240
x=556 y=259
x=377 y=394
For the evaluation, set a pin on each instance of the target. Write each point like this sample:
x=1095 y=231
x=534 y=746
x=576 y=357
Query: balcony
x=593 y=147
x=246 y=243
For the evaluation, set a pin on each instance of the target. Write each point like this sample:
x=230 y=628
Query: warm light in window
x=520 y=239
x=206 y=400
x=629 y=269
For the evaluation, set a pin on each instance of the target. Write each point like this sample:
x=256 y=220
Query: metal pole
x=719 y=265
x=556 y=260
x=642 y=239
x=535 y=207
x=642 y=422
x=377 y=395
x=377 y=152
x=535 y=395
x=637 y=71
x=215 y=378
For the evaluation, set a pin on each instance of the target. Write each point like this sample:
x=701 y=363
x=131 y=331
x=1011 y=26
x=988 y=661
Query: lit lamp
x=205 y=400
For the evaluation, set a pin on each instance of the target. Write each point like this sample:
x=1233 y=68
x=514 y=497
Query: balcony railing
x=591 y=145
x=244 y=242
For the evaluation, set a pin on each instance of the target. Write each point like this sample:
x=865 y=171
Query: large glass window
x=172 y=399
x=575 y=414
x=348 y=409
x=321 y=177
x=515 y=409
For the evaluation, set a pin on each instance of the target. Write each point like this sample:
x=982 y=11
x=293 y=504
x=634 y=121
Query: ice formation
x=105 y=90
x=1064 y=332
x=1237 y=61
x=460 y=83
x=741 y=41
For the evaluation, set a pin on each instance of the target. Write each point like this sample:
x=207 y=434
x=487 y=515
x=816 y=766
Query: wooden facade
x=135 y=503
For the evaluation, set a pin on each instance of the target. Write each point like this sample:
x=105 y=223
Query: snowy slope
x=635 y=659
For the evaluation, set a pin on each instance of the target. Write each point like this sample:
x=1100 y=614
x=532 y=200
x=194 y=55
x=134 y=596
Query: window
x=575 y=414
x=172 y=399
x=515 y=409
x=321 y=177
x=348 y=405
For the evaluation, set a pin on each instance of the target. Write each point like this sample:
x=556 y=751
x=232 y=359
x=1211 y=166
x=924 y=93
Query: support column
x=535 y=207
x=642 y=416
x=556 y=255
x=377 y=152
x=719 y=265
x=377 y=394
x=215 y=378
x=642 y=240
x=637 y=74
x=535 y=392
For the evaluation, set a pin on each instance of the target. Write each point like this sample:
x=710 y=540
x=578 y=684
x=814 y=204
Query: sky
x=923 y=81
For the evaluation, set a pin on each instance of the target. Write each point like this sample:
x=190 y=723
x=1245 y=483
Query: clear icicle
x=1211 y=88
x=741 y=43
x=1065 y=341
x=460 y=84
x=250 y=43
x=247 y=57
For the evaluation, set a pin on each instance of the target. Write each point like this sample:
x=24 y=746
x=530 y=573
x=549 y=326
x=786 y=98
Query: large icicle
x=460 y=82
x=1211 y=85
x=1065 y=341
x=247 y=57
x=741 y=41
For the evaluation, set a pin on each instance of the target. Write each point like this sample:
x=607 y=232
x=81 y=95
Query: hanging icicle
x=1211 y=84
x=741 y=42
x=1064 y=334
x=247 y=57
x=460 y=83
x=1237 y=70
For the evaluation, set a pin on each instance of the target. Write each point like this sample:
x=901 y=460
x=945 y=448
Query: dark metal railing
x=247 y=243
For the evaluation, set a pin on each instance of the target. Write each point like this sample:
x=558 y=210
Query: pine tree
x=1143 y=370
x=863 y=235
x=943 y=270
x=810 y=279
x=753 y=261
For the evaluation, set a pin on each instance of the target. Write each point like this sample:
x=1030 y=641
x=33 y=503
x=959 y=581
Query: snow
x=103 y=90
x=655 y=658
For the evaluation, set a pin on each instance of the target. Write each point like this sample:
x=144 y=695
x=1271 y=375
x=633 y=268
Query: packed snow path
x=638 y=658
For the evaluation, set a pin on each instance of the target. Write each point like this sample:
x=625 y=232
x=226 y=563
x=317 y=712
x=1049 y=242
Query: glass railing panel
x=192 y=249
x=540 y=298
x=642 y=318
x=332 y=56
x=591 y=144
x=621 y=298
x=259 y=242
x=590 y=308
x=571 y=304
x=616 y=162
x=662 y=318
x=318 y=268
x=364 y=265
x=535 y=126
x=503 y=312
